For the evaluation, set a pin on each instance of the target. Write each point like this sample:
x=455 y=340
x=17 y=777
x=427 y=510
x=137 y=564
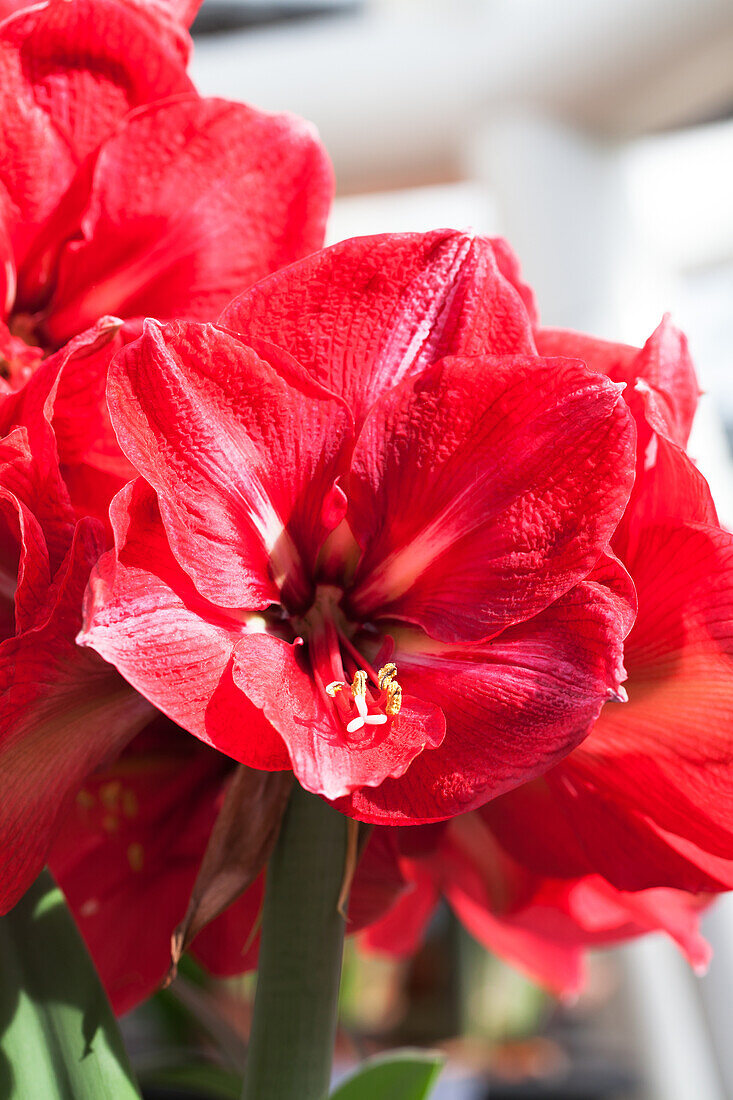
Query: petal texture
x=243 y=454
x=144 y=615
x=512 y=706
x=363 y=315
x=70 y=72
x=186 y=203
x=485 y=489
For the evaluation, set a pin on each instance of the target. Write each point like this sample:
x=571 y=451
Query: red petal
x=69 y=73
x=325 y=758
x=537 y=939
x=230 y=944
x=401 y=931
x=509 y=267
x=663 y=366
x=25 y=565
x=513 y=706
x=547 y=937
x=30 y=474
x=128 y=854
x=144 y=615
x=668 y=488
x=378 y=881
x=78 y=411
x=173 y=227
x=484 y=490
x=369 y=312
x=648 y=795
x=242 y=453
x=62 y=713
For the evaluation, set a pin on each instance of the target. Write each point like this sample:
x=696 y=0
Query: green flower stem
x=294 y=1026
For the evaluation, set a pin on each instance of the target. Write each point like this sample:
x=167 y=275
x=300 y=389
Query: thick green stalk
x=294 y=1027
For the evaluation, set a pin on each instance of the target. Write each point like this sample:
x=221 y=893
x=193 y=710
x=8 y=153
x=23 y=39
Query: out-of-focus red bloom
x=542 y=925
x=370 y=542
x=121 y=190
x=128 y=854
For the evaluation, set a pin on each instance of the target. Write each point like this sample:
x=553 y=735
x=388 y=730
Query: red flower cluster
x=119 y=188
x=372 y=526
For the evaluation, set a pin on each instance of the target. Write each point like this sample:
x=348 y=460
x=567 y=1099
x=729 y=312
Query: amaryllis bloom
x=368 y=539
x=604 y=846
x=543 y=926
x=121 y=190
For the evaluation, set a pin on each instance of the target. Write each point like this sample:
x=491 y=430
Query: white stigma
x=364 y=717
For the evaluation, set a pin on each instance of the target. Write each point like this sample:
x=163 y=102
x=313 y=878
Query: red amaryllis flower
x=646 y=801
x=544 y=926
x=121 y=191
x=106 y=200
x=359 y=553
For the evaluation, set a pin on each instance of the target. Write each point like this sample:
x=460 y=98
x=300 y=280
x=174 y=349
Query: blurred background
x=597 y=136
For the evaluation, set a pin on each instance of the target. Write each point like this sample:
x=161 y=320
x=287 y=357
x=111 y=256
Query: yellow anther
x=135 y=856
x=334 y=687
x=394 y=698
x=358 y=687
x=385 y=675
x=109 y=794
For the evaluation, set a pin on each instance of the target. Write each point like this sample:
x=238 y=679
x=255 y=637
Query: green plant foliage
x=402 y=1075
x=59 y=1039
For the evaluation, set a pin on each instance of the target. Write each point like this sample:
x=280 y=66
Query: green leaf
x=402 y=1075
x=59 y=1039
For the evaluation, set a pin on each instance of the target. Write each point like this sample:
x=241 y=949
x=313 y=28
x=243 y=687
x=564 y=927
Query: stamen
x=358 y=687
x=394 y=698
x=386 y=675
x=385 y=679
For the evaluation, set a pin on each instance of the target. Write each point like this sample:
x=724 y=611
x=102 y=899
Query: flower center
x=359 y=695
x=389 y=697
